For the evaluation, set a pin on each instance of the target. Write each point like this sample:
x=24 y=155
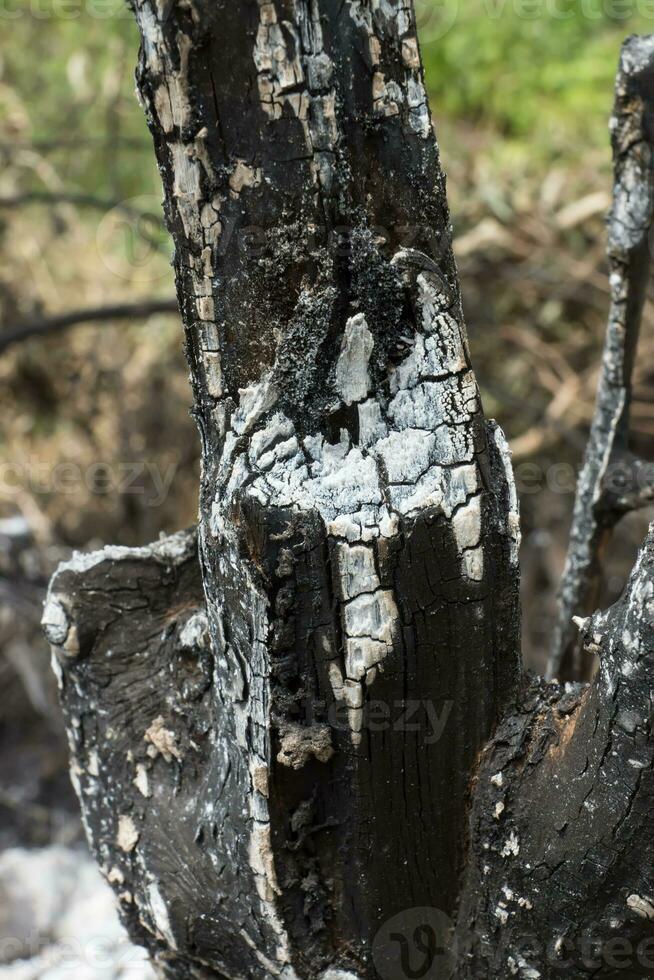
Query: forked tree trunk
x=275 y=745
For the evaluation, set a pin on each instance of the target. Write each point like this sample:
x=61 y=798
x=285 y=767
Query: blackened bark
x=613 y=481
x=358 y=520
x=131 y=651
x=561 y=873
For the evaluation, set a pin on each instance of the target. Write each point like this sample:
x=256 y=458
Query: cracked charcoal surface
x=561 y=822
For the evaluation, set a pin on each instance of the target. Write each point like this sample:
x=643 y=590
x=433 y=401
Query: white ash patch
x=115 y=877
x=372 y=425
x=141 y=780
x=644 y=907
x=371 y=615
x=430 y=356
x=162 y=741
x=419 y=116
x=160 y=915
x=127 y=836
x=466 y=524
x=194 y=635
x=352 y=377
x=300 y=743
x=358 y=573
x=370 y=621
x=262 y=863
x=254 y=401
x=353 y=698
x=56 y=623
x=502 y=914
x=173 y=549
x=520 y=967
x=406 y=455
x=429 y=404
x=511 y=846
x=514 y=506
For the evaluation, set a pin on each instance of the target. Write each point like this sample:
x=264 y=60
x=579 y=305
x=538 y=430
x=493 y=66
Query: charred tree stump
x=284 y=731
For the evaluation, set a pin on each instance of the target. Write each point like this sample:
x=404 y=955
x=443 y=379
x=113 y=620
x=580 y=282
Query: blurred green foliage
x=67 y=89
x=539 y=73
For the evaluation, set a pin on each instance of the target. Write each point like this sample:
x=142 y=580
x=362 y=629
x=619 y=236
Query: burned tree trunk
x=276 y=726
x=358 y=526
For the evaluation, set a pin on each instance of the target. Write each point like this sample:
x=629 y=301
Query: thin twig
x=40 y=326
x=77 y=199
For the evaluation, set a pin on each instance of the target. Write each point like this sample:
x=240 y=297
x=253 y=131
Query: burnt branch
x=598 y=506
x=39 y=326
x=130 y=642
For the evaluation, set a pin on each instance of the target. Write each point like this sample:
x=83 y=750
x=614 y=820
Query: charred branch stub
x=358 y=519
x=612 y=480
x=561 y=876
x=131 y=650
